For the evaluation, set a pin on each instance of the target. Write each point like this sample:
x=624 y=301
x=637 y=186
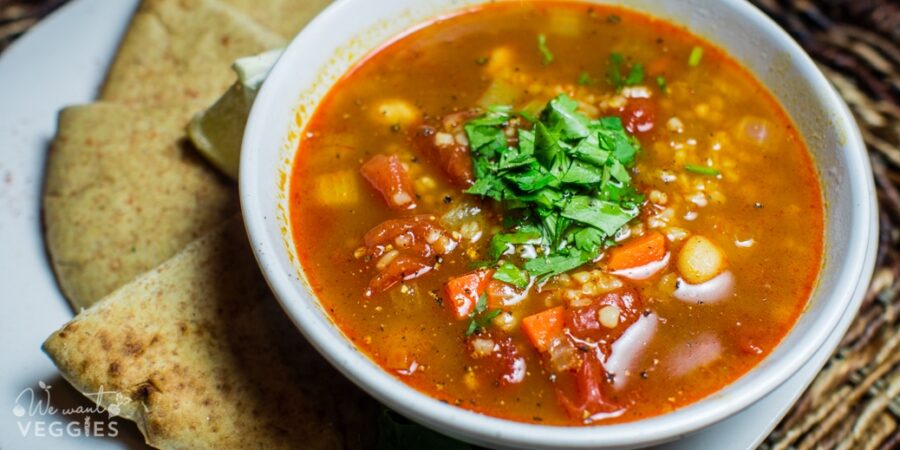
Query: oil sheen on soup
x=557 y=213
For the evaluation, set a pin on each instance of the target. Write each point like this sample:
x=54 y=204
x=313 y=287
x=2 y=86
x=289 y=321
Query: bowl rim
x=479 y=428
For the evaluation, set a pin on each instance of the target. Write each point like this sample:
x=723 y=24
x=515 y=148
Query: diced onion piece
x=700 y=260
x=461 y=213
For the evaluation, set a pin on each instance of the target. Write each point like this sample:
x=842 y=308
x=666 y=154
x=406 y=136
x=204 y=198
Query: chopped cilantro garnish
x=661 y=82
x=564 y=189
x=584 y=79
x=478 y=320
x=545 y=51
x=701 y=170
x=635 y=75
x=554 y=264
x=481 y=61
x=509 y=273
x=619 y=80
x=527 y=116
x=696 y=56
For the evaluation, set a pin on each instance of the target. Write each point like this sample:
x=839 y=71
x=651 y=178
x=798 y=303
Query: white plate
x=61 y=62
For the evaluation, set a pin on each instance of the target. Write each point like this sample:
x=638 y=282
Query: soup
x=557 y=213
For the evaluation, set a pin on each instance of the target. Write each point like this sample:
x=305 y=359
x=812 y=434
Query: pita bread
x=285 y=17
x=178 y=50
x=203 y=357
x=124 y=192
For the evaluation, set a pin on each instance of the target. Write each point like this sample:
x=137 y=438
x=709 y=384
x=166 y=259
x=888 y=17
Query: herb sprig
x=565 y=186
x=546 y=54
x=478 y=319
x=620 y=79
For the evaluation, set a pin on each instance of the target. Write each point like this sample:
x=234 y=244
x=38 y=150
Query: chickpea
x=700 y=260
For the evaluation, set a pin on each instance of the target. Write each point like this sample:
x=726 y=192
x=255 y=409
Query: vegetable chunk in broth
x=557 y=213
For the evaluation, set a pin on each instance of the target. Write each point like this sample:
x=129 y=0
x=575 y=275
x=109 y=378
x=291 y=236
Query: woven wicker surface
x=854 y=403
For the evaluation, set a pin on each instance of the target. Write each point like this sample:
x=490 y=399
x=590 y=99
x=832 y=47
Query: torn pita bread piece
x=285 y=17
x=124 y=192
x=181 y=50
x=201 y=356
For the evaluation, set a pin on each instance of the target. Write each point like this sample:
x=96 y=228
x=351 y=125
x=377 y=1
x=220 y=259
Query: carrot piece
x=462 y=293
x=637 y=252
x=543 y=327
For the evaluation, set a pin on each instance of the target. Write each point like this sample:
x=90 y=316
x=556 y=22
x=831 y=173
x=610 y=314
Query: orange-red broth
x=765 y=211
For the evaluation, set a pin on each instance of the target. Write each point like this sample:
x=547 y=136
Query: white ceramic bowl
x=349 y=29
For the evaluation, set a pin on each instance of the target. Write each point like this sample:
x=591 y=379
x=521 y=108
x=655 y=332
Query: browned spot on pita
x=246 y=370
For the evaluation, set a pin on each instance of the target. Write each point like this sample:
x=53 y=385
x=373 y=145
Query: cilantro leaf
x=509 y=273
x=615 y=75
x=502 y=242
x=603 y=215
x=526 y=142
x=696 y=56
x=702 y=170
x=481 y=304
x=581 y=173
x=477 y=319
x=663 y=86
x=636 y=75
x=562 y=117
x=588 y=150
x=588 y=239
x=472 y=328
x=584 y=79
x=556 y=264
x=546 y=54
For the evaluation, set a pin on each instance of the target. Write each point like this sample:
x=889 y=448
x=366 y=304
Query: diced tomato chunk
x=584 y=322
x=416 y=242
x=388 y=176
x=402 y=268
x=543 y=327
x=504 y=364
x=589 y=398
x=385 y=232
x=453 y=159
x=510 y=364
x=639 y=115
x=462 y=293
x=637 y=252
